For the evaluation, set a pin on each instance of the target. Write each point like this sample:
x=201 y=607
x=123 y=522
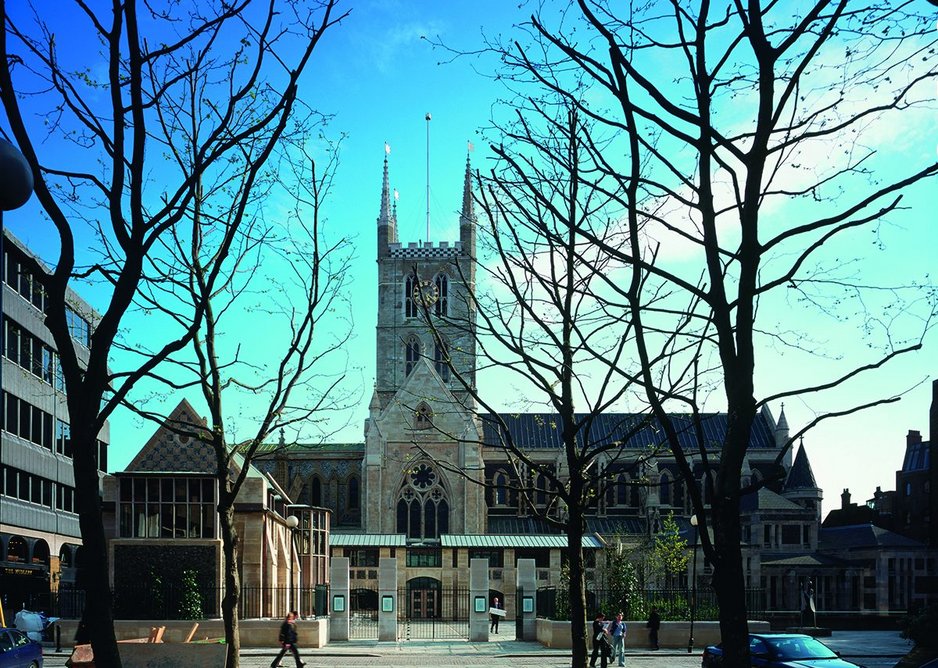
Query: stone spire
x=781 y=429
x=387 y=218
x=467 y=217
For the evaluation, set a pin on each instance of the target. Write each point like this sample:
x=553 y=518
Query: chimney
x=845 y=499
x=914 y=436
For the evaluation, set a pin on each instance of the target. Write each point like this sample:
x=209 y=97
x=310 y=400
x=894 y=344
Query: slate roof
x=766 y=499
x=509 y=524
x=860 y=536
x=633 y=430
x=813 y=559
x=801 y=476
x=916 y=457
x=609 y=526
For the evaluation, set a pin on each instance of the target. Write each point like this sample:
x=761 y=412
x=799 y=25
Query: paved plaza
x=873 y=649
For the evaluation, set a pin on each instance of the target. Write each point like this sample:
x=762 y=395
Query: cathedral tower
x=446 y=277
x=421 y=429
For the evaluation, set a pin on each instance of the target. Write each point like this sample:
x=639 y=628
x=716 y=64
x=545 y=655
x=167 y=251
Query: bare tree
x=537 y=320
x=129 y=178
x=283 y=273
x=715 y=118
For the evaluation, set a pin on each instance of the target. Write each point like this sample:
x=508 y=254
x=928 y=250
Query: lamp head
x=292 y=522
x=693 y=520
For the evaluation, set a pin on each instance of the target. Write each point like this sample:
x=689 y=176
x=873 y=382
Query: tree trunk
x=729 y=584
x=229 y=603
x=98 y=614
x=577 y=588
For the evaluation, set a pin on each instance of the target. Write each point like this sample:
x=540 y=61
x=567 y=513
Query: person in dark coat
x=495 y=618
x=288 y=641
x=601 y=644
x=653 y=624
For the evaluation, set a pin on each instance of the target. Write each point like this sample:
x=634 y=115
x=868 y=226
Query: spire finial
x=385 y=214
x=467 y=204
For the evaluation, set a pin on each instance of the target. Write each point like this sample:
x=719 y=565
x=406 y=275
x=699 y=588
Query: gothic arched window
x=540 y=491
x=622 y=490
x=411 y=354
x=422 y=509
x=410 y=306
x=501 y=489
x=442 y=289
x=665 y=489
x=315 y=491
x=353 y=493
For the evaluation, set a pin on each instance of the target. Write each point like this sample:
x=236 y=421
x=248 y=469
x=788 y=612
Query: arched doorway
x=430 y=611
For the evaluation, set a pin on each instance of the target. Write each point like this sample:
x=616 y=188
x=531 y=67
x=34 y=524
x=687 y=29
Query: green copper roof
x=368 y=540
x=514 y=540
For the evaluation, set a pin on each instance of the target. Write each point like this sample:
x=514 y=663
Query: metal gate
x=363 y=614
x=428 y=611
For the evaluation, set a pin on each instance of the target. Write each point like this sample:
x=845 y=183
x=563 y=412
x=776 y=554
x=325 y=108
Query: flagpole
x=428 y=177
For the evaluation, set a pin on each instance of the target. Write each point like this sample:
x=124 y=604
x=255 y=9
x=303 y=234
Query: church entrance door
x=432 y=612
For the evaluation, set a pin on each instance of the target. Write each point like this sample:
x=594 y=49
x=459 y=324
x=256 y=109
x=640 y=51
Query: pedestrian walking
x=617 y=631
x=288 y=641
x=653 y=624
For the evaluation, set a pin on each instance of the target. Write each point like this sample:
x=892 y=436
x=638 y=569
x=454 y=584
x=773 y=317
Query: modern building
x=39 y=535
x=164 y=540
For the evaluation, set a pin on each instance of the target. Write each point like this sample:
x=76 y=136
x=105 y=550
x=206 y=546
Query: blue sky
x=378 y=77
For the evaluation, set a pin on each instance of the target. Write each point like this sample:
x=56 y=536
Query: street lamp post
x=292 y=523
x=693 y=574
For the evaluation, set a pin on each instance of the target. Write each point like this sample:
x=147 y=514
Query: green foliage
x=562 y=600
x=190 y=607
x=921 y=627
x=669 y=554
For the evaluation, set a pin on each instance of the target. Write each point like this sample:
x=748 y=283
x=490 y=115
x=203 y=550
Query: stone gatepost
x=479 y=600
x=526 y=587
x=339 y=598
x=387 y=599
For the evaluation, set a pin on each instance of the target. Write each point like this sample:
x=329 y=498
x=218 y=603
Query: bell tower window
x=440 y=361
x=442 y=291
x=411 y=354
x=410 y=305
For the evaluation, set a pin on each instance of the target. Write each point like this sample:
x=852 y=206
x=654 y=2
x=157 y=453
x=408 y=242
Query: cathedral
x=432 y=486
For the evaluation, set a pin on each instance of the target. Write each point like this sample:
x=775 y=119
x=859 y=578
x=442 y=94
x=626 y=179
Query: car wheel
x=33 y=665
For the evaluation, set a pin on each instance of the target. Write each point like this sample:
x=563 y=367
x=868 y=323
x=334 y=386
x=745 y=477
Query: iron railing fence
x=673 y=604
x=177 y=602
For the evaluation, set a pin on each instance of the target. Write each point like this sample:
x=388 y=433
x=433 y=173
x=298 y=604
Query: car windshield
x=800 y=648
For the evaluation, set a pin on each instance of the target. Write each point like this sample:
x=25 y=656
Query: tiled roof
x=801 y=476
x=514 y=540
x=862 y=536
x=916 y=457
x=633 y=430
x=367 y=540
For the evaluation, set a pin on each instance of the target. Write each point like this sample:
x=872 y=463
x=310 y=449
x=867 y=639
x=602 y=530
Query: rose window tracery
x=422 y=506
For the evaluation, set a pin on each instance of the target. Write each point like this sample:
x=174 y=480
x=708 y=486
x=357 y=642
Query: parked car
x=782 y=650
x=18 y=651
